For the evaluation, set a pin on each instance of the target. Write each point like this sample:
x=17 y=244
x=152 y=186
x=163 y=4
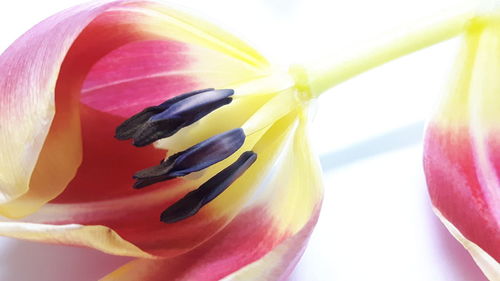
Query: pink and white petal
x=28 y=77
x=456 y=186
x=263 y=242
x=489 y=266
x=461 y=145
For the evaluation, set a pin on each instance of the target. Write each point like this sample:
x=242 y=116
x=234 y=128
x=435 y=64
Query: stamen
x=190 y=204
x=195 y=158
x=130 y=126
x=180 y=115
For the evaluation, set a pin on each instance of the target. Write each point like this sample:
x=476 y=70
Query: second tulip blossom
x=462 y=147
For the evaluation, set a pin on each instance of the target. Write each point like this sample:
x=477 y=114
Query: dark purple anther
x=190 y=204
x=195 y=158
x=164 y=120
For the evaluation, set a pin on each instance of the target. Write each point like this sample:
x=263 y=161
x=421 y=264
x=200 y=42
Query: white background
x=376 y=223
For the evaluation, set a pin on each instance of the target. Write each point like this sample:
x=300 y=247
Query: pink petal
x=456 y=186
x=238 y=252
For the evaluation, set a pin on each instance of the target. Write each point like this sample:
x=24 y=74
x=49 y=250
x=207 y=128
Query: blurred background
x=377 y=222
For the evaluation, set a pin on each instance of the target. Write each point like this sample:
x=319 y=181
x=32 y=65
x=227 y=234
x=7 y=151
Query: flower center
x=164 y=120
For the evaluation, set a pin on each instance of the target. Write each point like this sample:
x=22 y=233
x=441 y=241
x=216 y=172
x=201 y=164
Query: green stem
x=322 y=77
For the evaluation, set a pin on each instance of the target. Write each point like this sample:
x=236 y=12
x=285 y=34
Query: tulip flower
x=139 y=130
x=462 y=151
x=87 y=92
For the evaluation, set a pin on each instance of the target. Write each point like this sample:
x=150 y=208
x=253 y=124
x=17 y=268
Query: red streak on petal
x=138 y=75
x=129 y=98
x=137 y=59
x=455 y=188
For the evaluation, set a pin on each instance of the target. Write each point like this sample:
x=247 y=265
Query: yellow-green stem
x=322 y=77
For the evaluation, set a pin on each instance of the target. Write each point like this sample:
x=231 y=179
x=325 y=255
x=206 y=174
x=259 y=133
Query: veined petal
x=28 y=75
x=105 y=58
x=264 y=242
x=462 y=146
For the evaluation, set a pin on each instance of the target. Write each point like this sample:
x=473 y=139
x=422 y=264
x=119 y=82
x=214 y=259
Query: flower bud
x=462 y=148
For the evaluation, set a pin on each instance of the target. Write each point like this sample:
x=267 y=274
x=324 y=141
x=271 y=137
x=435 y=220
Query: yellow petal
x=99 y=237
